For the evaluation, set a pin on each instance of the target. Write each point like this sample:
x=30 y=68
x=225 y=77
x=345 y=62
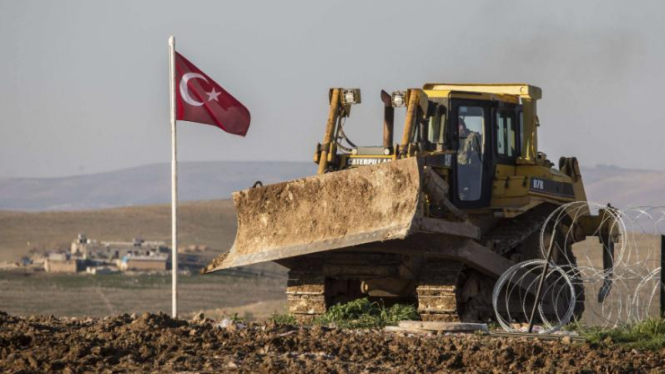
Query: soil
x=252 y=292
x=328 y=205
x=376 y=203
x=158 y=343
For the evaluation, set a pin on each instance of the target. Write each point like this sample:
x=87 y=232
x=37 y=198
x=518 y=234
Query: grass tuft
x=362 y=313
x=646 y=335
x=283 y=319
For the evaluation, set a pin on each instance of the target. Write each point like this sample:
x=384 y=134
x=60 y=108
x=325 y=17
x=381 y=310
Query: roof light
x=398 y=99
x=351 y=96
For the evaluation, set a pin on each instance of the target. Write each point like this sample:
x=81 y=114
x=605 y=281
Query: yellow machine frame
x=512 y=191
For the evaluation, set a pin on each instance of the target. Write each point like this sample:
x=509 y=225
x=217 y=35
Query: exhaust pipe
x=388 y=120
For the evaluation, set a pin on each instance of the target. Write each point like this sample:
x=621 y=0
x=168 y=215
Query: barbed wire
x=608 y=281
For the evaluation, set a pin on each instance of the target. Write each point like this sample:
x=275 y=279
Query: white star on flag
x=212 y=95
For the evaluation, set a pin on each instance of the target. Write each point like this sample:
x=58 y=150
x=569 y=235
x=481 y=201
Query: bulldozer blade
x=325 y=212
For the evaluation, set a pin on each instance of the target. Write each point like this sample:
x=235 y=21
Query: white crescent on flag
x=184 y=91
x=200 y=99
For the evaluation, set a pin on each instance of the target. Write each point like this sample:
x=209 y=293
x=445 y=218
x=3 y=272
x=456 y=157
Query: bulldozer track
x=442 y=292
x=452 y=292
x=305 y=294
x=438 y=296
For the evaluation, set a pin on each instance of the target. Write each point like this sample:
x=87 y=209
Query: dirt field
x=157 y=343
x=101 y=295
x=210 y=223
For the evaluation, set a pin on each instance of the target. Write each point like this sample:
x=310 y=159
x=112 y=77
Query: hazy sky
x=84 y=84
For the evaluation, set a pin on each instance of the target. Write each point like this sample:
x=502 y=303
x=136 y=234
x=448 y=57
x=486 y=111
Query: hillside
x=149 y=184
x=624 y=187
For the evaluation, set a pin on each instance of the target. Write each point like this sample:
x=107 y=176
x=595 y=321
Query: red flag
x=200 y=99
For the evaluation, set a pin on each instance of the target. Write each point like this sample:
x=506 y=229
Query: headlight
x=398 y=99
x=351 y=96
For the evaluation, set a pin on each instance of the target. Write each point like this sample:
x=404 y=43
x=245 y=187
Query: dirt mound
x=158 y=343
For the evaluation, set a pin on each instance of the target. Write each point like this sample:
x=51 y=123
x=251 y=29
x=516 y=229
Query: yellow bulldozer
x=432 y=220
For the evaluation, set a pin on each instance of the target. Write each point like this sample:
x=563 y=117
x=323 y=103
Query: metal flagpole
x=174 y=183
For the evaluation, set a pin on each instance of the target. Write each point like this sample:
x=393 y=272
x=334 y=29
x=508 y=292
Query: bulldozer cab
x=465 y=135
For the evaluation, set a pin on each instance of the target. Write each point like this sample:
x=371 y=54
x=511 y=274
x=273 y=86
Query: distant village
x=99 y=257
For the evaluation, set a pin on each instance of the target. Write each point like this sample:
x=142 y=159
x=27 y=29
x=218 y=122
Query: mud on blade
x=324 y=212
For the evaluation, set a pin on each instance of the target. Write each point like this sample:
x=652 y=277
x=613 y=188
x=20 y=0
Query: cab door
x=471 y=124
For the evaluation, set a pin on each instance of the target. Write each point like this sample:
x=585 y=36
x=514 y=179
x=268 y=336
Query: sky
x=84 y=84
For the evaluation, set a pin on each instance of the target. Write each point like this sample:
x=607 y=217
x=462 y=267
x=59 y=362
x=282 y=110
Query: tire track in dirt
x=106 y=301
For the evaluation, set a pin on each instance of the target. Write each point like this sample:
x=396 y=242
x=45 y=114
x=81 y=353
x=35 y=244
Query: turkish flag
x=200 y=99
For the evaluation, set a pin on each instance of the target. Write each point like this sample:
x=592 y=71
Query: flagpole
x=174 y=183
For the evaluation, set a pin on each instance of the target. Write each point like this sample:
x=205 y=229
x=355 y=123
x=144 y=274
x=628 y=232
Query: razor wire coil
x=577 y=278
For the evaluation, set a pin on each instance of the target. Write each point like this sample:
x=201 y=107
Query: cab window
x=507 y=134
x=436 y=132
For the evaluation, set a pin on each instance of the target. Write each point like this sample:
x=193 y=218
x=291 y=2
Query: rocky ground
x=158 y=343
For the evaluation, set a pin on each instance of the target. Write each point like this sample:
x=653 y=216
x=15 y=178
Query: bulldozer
x=432 y=220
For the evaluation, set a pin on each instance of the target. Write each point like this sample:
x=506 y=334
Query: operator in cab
x=469 y=162
x=469 y=147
